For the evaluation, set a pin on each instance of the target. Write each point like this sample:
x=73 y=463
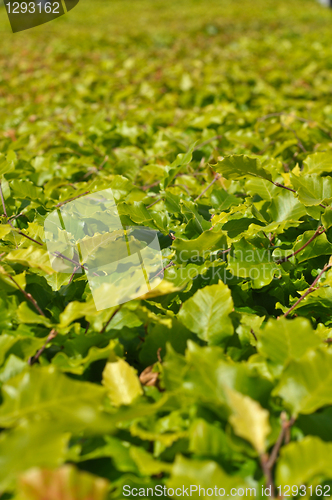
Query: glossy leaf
x=121 y=382
x=206 y=313
x=249 y=420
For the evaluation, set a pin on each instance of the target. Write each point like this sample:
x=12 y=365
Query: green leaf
x=190 y=212
x=283 y=340
x=21 y=346
x=171 y=171
x=204 y=374
x=9 y=163
x=208 y=440
x=26 y=447
x=313 y=189
x=317 y=163
x=13 y=366
x=43 y=393
x=33 y=257
x=303 y=461
x=4 y=230
x=265 y=189
x=75 y=310
x=146 y=464
x=327 y=218
x=137 y=212
x=121 y=382
x=303 y=383
x=319 y=246
x=192 y=474
x=240 y=166
x=249 y=420
x=173 y=333
x=286 y=207
x=206 y=242
x=27 y=315
x=77 y=363
x=206 y=313
x=26 y=189
x=248 y=261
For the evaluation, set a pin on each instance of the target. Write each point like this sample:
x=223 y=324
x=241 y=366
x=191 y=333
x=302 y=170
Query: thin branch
x=282 y=186
x=35 y=358
x=96 y=169
x=150 y=185
x=282 y=113
x=166 y=267
x=27 y=295
x=3 y=202
x=12 y=217
x=290 y=189
x=71 y=199
x=73 y=274
x=270 y=115
x=268 y=462
x=23 y=234
x=317 y=233
x=103 y=163
x=264 y=460
x=278 y=443
x=154 y=203
x=253 y=334
x=310 y=289
x=58 y=254
x=225 y=251
x=216 y=177
x=108 y=322
x=215 y=138
x=299 y=143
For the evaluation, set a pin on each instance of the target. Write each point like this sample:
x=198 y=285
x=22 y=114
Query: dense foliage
x=214 y=127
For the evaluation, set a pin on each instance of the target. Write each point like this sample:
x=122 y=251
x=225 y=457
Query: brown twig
x=310 y=289
x=73 y=274
x=108 y=322
x=216 y=177
x=12 y=217
x=27 y=295
x=253 y=334
x=58 y=254
x=225 y=251
x=215 y=138
x=154 y=203
x=282 y=186
x=3 y=202
x=275 y=450
x=264 y=460
x=71 y=199
x=150 y=185
x=267 y=462
x=166 y=267
x=317 y=233
x=23 y=234
x=35 y=358
x=103 y=163
x=95 y=169
x=290 y=189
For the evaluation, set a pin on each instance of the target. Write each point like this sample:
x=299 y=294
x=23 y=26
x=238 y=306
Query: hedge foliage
x=212 y=124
